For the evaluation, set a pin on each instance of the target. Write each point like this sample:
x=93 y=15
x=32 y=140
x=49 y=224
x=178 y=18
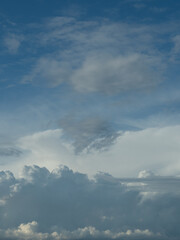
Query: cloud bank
x=122 y=155
x=63 y=204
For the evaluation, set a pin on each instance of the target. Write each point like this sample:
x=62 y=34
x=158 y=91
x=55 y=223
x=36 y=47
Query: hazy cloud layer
x=63 y=204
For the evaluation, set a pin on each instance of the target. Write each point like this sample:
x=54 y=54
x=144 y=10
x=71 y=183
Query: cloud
x=47 y=203
x=151 y=149
x=28 y=231
x=50 y=72
x=87 y=59
x=104 y=74
x=145 y=174
x=24 y=232
x=88 y=133
x=9 y=151
x=63 y=204
x=116 y=75
x=12 y=42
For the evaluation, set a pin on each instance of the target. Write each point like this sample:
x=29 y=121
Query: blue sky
x=92 y=86
x=94 y=71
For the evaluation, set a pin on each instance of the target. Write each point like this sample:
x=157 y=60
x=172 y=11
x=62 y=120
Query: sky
x=89 y=119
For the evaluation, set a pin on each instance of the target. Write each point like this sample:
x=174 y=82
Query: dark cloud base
x=63 y=204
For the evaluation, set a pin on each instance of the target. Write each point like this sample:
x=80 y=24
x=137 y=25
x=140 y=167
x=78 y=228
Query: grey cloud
x=6 y=180
x=63 y=204
x=88 y=133
x=9 y=151
x=115 y=75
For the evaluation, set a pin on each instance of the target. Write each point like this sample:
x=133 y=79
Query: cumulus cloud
x=24 y=232
x=28 y=231
x=63 y=204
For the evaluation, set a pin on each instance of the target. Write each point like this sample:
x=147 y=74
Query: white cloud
x=92 y=232
x=152 y=149
x=24 y=232
x=145 y=174
x=29 y=231
x=44 y=149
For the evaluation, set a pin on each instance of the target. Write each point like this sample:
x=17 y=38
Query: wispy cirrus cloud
x=98 y=56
